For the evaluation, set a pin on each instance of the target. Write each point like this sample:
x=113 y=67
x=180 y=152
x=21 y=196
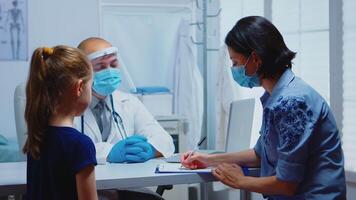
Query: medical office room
x=199 y=99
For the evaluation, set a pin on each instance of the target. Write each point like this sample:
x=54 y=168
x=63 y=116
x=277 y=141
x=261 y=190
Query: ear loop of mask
x=248 y=59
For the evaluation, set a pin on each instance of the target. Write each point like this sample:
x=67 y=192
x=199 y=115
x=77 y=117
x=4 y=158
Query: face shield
x=104 y=58
x=103 y=52
x=107 y=76
x=101 y=60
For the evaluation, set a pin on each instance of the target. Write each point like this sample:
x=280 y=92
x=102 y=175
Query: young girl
x=60 y=160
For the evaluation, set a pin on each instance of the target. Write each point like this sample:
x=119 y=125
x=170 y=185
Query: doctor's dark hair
x=255 y=33
x=52 y=72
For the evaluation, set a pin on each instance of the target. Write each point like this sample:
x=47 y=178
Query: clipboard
x=177 y=168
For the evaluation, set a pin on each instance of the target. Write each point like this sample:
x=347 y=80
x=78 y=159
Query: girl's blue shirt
x=65 y=151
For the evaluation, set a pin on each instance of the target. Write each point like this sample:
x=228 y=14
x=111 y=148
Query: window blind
x=307 y=33
x=349 y=78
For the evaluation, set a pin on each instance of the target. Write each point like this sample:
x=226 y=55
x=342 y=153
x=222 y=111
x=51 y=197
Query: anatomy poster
x=13 y=30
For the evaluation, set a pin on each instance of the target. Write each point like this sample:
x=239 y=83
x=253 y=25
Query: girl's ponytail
x=52 y=71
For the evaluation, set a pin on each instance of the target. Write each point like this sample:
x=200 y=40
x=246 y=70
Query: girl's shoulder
x=68 y=136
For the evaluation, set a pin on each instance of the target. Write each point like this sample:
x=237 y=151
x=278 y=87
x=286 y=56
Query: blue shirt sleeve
x=83 y=154
x=294 y=125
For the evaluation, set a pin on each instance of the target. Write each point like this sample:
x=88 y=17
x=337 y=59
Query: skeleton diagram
x=14 y=17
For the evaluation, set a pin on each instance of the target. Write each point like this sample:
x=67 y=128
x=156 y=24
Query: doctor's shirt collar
x=95 y=100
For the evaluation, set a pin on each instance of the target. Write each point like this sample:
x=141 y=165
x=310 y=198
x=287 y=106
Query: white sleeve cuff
x=102 y=151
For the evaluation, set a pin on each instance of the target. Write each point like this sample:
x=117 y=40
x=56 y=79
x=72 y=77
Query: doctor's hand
x=118 y=153
x=140 y=152
x=132 y=150
x=229 y=174
x=195 y=160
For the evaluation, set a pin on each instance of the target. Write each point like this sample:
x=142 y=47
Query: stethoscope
x=117 y=118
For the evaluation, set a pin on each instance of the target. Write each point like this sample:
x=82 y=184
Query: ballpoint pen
x=197 y=147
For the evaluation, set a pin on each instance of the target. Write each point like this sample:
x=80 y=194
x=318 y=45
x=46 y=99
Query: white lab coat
x=226 y=93
x=136 y=120
x=188 y=85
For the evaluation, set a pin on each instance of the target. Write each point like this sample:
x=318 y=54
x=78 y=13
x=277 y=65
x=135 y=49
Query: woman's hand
x=229 y=174
x=195 y=160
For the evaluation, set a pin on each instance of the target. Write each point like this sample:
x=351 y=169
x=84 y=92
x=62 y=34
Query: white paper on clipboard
x=177 y=168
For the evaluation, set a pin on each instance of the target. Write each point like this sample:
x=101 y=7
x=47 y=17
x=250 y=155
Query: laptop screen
x=240 y=125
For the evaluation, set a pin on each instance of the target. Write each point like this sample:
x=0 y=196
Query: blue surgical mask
x=239 y=74
x=106 y=81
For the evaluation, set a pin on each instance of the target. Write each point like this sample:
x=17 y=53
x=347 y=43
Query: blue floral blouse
x=299 y=141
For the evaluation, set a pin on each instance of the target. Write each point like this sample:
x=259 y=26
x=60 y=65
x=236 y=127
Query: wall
x=49 y=23
x=351 y=190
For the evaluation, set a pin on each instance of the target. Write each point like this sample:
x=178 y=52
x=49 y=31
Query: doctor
x=118 y=123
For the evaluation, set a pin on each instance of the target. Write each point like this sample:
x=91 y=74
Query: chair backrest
x=19 y=108
x=240 y=125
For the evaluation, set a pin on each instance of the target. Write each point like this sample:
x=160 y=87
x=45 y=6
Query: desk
x=123 y=176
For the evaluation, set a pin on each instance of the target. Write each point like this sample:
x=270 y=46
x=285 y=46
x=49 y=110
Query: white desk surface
x=13 y=176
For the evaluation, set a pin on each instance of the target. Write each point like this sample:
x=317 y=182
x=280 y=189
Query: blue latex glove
x=118 y=151
x=140 y=152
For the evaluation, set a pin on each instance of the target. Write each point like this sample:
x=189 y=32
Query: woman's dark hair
x=255 y=33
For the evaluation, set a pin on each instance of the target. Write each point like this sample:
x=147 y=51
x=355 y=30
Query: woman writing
x=299 y=148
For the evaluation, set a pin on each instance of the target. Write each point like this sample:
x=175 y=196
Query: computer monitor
x=239 y=129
